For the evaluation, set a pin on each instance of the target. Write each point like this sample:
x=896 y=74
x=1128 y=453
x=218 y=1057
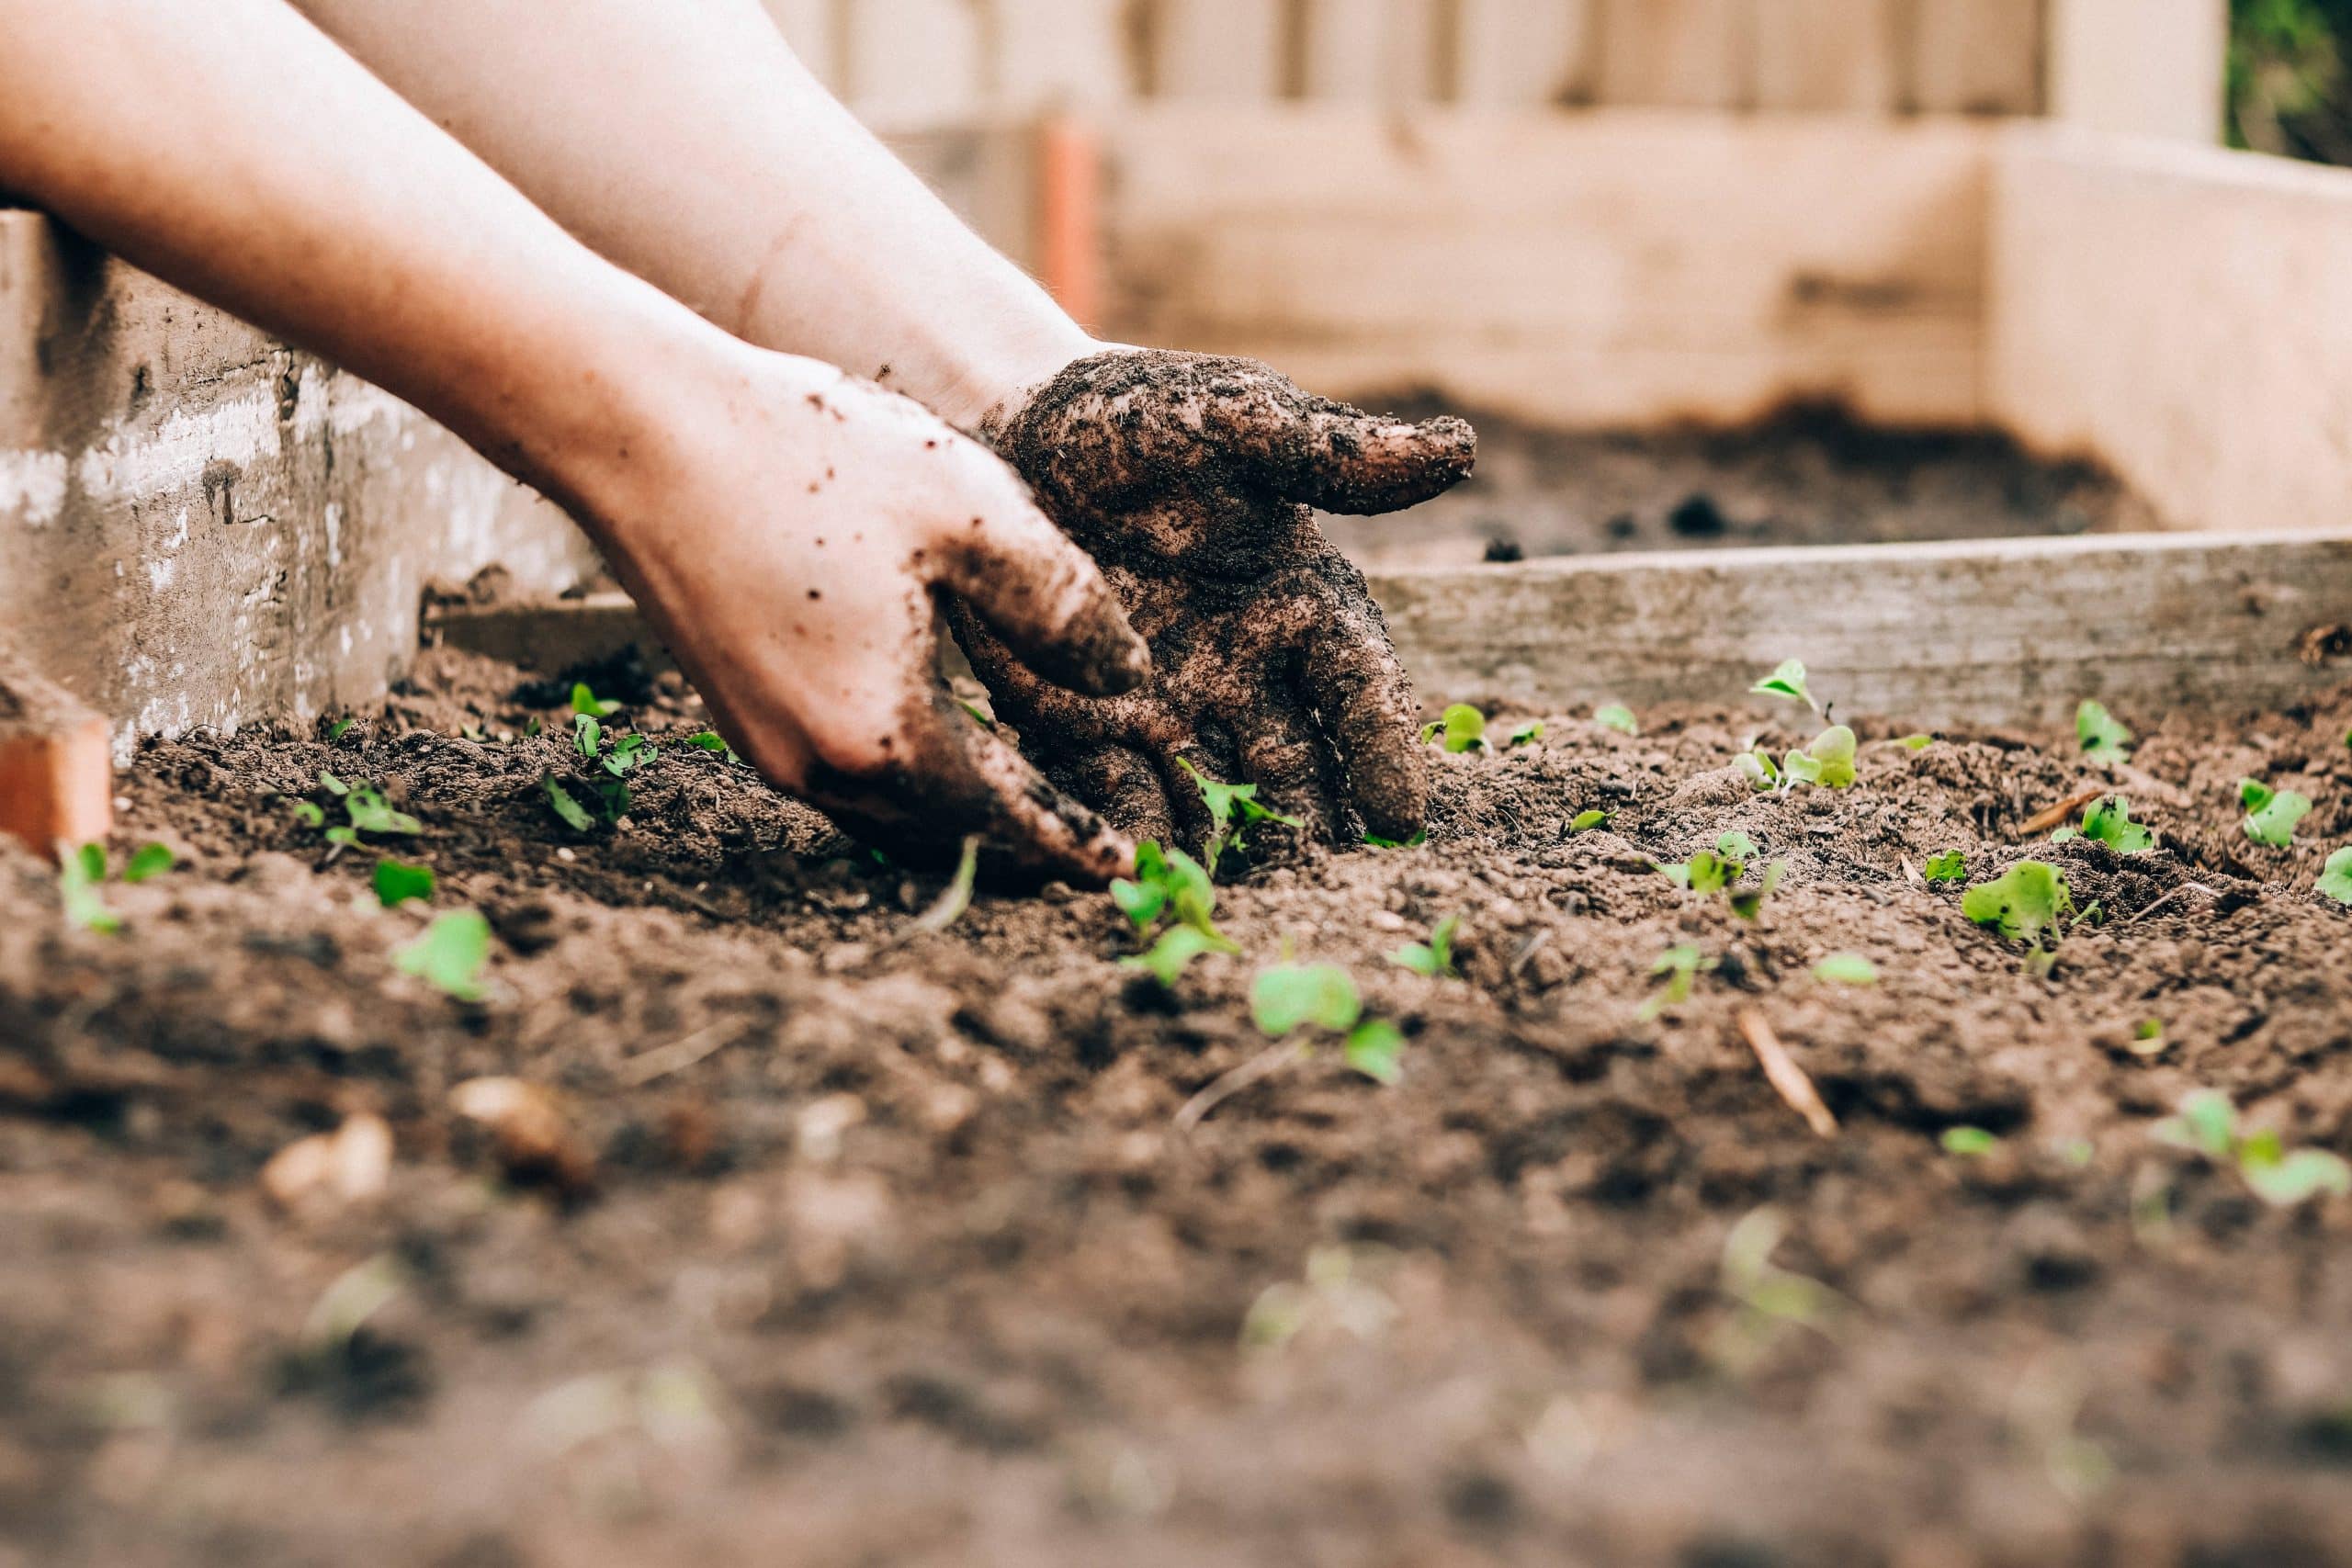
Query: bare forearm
x=234 y=150
x=687 y=143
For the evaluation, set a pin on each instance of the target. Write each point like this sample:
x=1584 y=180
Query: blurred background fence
x=2143 y=65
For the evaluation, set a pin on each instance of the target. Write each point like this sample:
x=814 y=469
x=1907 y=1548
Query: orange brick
x=56 y=773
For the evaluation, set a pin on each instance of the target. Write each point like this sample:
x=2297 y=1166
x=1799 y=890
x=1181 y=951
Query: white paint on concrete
x=128 y=467
x=32 y=487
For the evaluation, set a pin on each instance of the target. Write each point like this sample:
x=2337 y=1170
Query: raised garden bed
x=886 y=1244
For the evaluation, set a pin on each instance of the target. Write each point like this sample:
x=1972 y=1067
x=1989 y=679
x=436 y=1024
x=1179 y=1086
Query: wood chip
x=349 y=1164
x=534 y=1140
x=1785 y=1076
x=2059 y=815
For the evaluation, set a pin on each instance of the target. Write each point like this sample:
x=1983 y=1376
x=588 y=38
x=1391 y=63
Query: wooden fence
x=900 y=60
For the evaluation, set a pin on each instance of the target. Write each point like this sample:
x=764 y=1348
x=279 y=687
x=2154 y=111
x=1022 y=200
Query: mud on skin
x=1193 y=481
x=906 y=1266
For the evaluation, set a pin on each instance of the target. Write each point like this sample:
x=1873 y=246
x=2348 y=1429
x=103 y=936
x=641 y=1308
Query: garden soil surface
x=811 y=1237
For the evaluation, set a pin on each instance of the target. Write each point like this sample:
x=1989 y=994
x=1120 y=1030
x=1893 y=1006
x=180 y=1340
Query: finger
x=1278 y=751
x=1341 y=459
x=1123 y=786
x=1364 y=702
x=1044 y=598
x=959 y=780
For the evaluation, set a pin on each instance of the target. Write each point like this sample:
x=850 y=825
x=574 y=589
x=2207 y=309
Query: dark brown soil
x=1810 y=477
x=907 y=1266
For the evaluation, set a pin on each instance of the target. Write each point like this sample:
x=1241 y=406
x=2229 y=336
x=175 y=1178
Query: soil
x=1810 y=475
x=838 y=1242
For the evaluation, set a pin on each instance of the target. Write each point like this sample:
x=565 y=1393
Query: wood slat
x=913 y=63
x=812 y=27
x=2145 y=67
x=1053 y=54
x=1995 y=632
x=1522 y=53
x=1976 y=56
x=1677 y=53
x=1217 y=50
x=1371 y=52
x=1827 y=55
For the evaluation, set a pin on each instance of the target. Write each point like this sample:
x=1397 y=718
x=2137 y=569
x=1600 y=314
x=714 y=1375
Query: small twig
x=2184 y=887
x=1265 y=1065
x=949 y=907
x=1912 y=872
x=662 y=1060
x=1785 y=1076
x=2058 y=815
x=1529 y=948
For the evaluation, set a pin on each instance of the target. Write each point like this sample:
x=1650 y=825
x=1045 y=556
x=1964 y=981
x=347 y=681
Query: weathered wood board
x=1989 y=631
x=2143 y=67
x=1622 y=266
x=1981 y=57
x=2183 y=313
x=1835 y=55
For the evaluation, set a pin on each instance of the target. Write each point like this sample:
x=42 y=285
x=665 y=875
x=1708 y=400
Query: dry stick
x=2059 y=815
x=2184 y=887
x=1785 y=1074
x=663 y=1060
x=1265 y=1065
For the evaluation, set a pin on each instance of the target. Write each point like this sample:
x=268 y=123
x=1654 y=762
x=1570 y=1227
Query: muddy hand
x=792 y=541
x=1192 y=481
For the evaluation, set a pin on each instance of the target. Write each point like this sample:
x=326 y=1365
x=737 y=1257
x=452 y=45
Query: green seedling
x=80 y=873
x=1828 y=761
x=1735 y=847
x=2104 y=738
x=1375 y=841
x=1586 y=821
x=1168 y=958
x=1915 y=743
x=1616 y=716
x=1772 y=1300
x=2109 y=822
x=2148 y=1039
x=1460 y=729
x=1171 y=883
x=332 y=784
x=1847 y=969
x=630 y=751
x=1760 y=771
x=585 y=702
x=576 y=816
x=371 y=813
x=2271 y=814
x=146 y=861
x=309 y=813
x=2028 y=902
x=1719 y=870
x=397 y=882
x=587 y=734
x=2207 y=1124
x=336 y=730
x=450 y=955
x=2335 y=878
x=1968 y=1141
x=957 y=896
x=1292 y=996
x=1434 y=957
x=1747 y=903
x=975 y=715
x=1525 y=734
x=1681 y=967
x=711 y=741
x=1233 y=810
x=1787 y=682
x=1948 y=866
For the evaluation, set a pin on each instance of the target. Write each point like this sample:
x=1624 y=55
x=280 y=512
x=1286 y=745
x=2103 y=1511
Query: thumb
x=1046 y=598
x=1339 y=458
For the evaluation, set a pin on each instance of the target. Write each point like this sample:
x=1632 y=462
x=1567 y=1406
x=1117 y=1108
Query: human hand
x=1190 y=480
x=788 y=530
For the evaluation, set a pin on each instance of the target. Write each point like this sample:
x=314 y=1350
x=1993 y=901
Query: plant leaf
x=1461 y=728
x=2294 y=1178
x=1521 y=735
x=396 y=881
x=2274 y=822
x=1171 y=955
x=1847 y=969
x=1376 y=1048
x=450 y=955
x=1788 y=683
x=2207 y=1124
x=1917 y=742
x=2103 y=737
x=2254 y=795
x=2110 y=822
x=370 y=813
x=576 y=816
x=1948 y=866
x=148 y=860
x=77 y=888
x=956 y=897
x=1968 y=1141
x=584 y=703
x=1290 y=996
x=1737 y=847
x=1747 y=903
x=2024 y=902
x=2335 y=880
x=1617 y=717
x=1586 y=821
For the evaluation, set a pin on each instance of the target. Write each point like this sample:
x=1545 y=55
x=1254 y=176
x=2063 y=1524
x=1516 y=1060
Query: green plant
x=1525 y=734
x=146 y=861
x=1171 y=883
x=1762 y=774
x=630 y=751
x=1788 y=683
x=1915 y=743
x=2148 y=1038
x=1948 y=866
x=2108 y=821
x=1828 y=761
x=2335 y=878
x=2028 y=903
x=2207 y=1124
x=610 y=794
x=1616 y=716
x=1586 y=821
x=1172 y=953
x=956 y=897
x=972 y=711
x=1291 y=996
x=2271 y=814
x=1434 y=957
x=1719 y=870
x=1968 y=1141
x=396 y=883
x=1681 y=967
x=80 y=873
x=450 y=953
x=2104 y=738
x=711 y=741
x=1375 y=841
x=584 y=703
x=1233 y=808
x=1772 y=1300
x=1460 y=729
x=1847 y=969
x=335 y=731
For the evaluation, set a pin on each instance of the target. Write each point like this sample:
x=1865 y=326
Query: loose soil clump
x=739 y=1221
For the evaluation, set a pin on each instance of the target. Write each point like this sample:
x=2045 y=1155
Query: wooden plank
x=1524 y=53
x=1046 y=56
x=1218 y=51
x=1371 y=52
x=2184 y=315
x=1976 y=56
x=2146 y=67
x=1677 y=53
x=1826 y=55
x=1993 y=631
x=1612 y=268
x=911 y=63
